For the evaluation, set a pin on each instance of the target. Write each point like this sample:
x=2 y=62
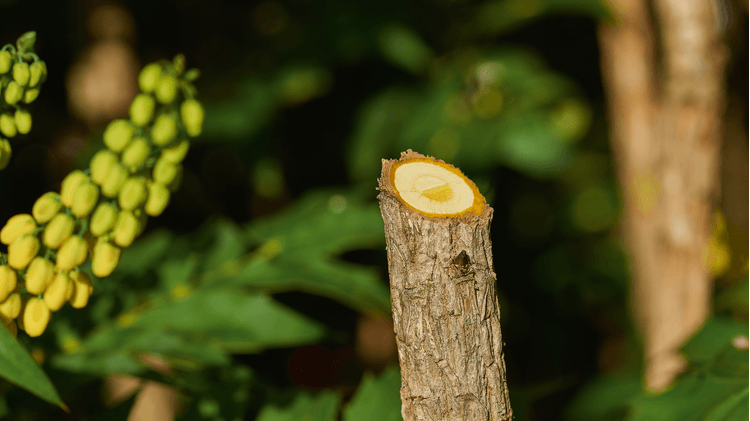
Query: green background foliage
x=253 y=282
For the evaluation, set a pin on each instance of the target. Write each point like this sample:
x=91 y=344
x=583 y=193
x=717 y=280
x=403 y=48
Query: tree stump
x=445 y=310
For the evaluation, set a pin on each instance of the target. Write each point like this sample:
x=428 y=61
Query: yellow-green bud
x=16 y=226
x=7 y=125
x=69 y=185
x=176 y=153
x=72 y=253
x=115 y=179
x=83 y=289
x=58 y=230
x=44 y=70
x=142 y=109
x=133 y=193
x=103 y=219
x=6 y=60
x=142 y=218
x=164 y=130
x=21 y=73
x=22 y=250
x=126 y=229
x=165 y=172
x=23 y=121
x=36 y=316
x=8 y=281
x=158 y=199
x=5 y=153
x=117 y=135
x=192 y=117
x=11 y=307
x=149 y=77
x=46 y=207
x=100 y=165
x=13 y=92
x=35 y=73
x=84 y=199
x=29 y=95
x=59 y=291
x=166 y=89
x=39 y=275
x=134 y=156
x=105 y=259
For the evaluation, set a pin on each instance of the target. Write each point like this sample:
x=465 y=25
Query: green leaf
x=377 y=398
x=606 y=397
x=226 y=243
x=236 y=321
x=303 y=407
x=19 y=368
x=712 y=339
x=145 y=254
x=404 y=48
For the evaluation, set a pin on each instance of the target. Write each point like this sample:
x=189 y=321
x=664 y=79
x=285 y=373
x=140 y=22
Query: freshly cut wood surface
x=443 y=292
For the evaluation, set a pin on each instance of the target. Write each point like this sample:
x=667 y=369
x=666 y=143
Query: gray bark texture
x=445 y=312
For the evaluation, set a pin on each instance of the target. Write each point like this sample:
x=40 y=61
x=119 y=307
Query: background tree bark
x=663 y=73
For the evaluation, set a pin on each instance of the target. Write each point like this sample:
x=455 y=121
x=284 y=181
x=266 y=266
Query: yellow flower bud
x=21 y=73
x=134 y=156
x=5 y=153
x=164 y=130
x=158 y=199
x=58 y=230
x=11 y=307
x=149 y=77
x=165 y=171
x=192 y=117
x=6 y=61
x=126 y=229
x=142 y=109
x=8 y=282
x=39 y=275
x=36 y=316
x=84 y=199
x=22 y=119
x=166 y=89
x=101 y=164
x=7 y=125
x=176 y=153
x=133 y=193
x=103 y=219
x=116 y=177
x=117 y=135
x=83 y=289
x=16 y=226
x=106 y=257
x=13 y=92
x=29 y=95
x=69 y=185
x=22 y=250
x=59 y=291
x=35 y=73
x=46 y=207
x=72 y=253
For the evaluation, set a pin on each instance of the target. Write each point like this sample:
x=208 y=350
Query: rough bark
x=445 y=312
x=665 y=116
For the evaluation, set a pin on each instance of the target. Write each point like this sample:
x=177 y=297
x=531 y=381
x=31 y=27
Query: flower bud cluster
x=101 y=210
x=21 y=76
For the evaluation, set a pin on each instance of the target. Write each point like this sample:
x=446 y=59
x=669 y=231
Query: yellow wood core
x=435 y=188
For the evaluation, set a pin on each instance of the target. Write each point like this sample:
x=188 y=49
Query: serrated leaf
x=236 y=321
x=303 y=407
x=377 y=398
x=19 y=368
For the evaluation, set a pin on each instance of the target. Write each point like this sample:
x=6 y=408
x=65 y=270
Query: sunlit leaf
x=19 y=368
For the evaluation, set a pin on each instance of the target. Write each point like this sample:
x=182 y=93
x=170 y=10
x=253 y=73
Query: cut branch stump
x=443 y=292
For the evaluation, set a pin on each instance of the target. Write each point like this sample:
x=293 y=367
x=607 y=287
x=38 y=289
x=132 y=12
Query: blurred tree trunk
x=663 y=74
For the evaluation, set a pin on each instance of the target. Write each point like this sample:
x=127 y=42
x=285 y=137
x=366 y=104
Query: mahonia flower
x=105 y=206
